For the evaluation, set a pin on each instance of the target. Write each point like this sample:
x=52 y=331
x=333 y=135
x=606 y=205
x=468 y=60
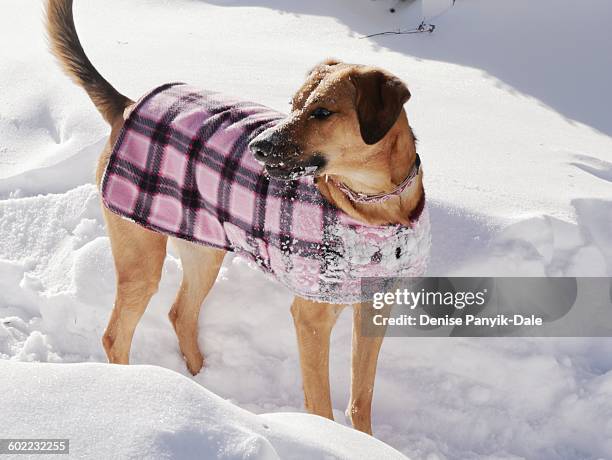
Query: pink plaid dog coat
x=181 y=166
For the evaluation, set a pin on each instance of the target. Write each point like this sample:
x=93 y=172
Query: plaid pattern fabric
x=181 y=166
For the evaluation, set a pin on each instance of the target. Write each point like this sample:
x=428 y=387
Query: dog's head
x=340 y=112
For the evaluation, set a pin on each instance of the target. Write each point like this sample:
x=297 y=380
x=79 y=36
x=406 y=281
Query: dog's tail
x=66 y=47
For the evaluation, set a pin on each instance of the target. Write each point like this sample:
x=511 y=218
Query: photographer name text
x=468 y=320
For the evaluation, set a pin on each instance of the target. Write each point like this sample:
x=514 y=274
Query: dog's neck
x=388 y=164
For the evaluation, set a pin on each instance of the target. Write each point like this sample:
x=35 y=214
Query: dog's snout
x=262 y=148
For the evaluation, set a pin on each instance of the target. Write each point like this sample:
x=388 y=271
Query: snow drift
x=149 y=412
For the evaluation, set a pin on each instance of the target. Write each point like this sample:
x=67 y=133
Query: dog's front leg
x=313 y=324
x=367 y=340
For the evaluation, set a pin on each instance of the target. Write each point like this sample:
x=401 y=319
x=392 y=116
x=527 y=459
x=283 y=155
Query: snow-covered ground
x=110 y=412
x=511 y=104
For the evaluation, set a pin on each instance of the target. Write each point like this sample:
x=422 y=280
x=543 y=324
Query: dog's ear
x=379 y=100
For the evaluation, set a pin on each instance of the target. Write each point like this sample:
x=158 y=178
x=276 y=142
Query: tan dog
x=366 y=144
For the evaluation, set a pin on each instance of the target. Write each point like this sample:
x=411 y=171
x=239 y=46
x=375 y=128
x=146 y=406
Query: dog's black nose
x=261 y=148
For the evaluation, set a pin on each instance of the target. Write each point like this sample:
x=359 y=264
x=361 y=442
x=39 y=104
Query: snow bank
x=149 y=412
x=518 y=176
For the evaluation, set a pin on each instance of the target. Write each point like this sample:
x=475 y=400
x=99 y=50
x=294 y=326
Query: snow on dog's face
x=339 y=120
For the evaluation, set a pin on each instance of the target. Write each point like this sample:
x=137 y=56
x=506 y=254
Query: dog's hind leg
x=367 y=340
x=201 y=265
x=139 y=256
x=313 y=324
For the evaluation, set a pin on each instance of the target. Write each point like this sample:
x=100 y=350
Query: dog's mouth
x=290 y=171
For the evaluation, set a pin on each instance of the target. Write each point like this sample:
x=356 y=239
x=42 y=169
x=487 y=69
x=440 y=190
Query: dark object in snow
x=393 y=9
x=422 y=28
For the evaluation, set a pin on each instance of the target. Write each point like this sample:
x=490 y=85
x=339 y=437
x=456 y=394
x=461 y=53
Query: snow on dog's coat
x=181 y=166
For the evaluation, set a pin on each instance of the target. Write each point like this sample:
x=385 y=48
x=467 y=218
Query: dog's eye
x=320 y=113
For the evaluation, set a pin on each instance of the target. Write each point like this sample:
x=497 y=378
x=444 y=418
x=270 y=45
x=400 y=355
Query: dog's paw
x=195 y=364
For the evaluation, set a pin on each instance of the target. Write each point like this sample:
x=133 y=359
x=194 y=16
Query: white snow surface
x=511 y=104
x=111 y=411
